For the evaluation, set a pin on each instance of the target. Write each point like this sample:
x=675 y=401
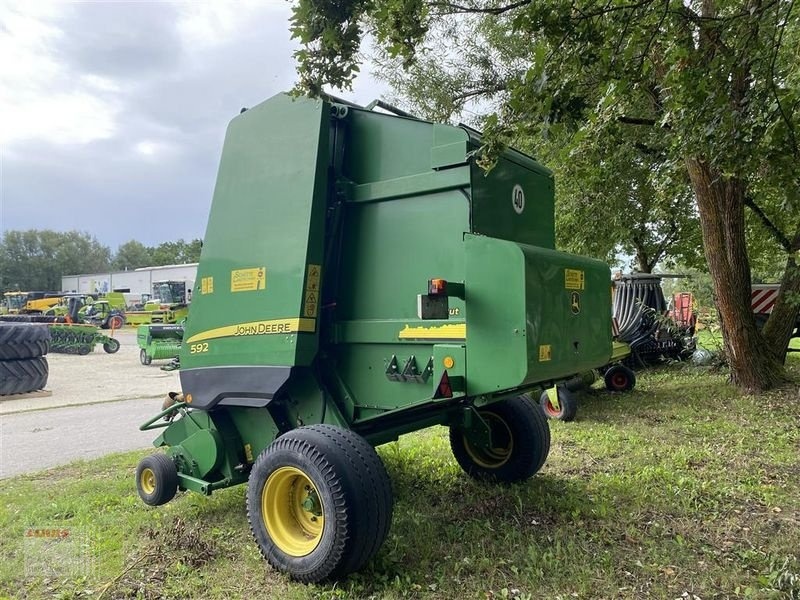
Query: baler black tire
x=619 y=378
x=111 y=346
x=23 y=340
x=144 y=358
x=567 y=404
x=23 y=376
x=156 y=479
x=522 y=426
x=355 y=499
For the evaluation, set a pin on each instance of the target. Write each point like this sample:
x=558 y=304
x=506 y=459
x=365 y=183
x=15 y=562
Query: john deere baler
x=362 y=278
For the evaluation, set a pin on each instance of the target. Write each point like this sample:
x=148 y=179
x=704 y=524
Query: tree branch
x=779 y=236
x=459 y=8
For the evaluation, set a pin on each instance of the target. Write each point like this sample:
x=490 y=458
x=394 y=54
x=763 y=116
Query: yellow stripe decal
x=456 y=331
x=276 y=326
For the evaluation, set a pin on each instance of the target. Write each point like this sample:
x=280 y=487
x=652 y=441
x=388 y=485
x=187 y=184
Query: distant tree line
x=37 y=259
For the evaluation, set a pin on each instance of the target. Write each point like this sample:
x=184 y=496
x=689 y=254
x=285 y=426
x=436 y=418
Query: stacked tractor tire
x=23 y=365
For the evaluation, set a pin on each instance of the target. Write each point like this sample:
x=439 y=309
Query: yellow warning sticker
x=311 y=299
x=207 y=285
x=545 y=353
x=248 y=280
x=574 y=279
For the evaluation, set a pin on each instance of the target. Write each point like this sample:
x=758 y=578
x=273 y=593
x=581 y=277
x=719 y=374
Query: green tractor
x=362 y=278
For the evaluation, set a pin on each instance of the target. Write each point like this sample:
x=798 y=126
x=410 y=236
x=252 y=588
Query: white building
x=136 y=282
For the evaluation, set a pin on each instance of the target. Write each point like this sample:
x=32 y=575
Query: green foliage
x=132 y=255
x=37 y=259
x=175 y=252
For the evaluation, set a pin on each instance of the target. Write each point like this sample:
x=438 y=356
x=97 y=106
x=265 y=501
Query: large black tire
x=521 y=438
x=319 y=502
x=619 y=378
x=115 y=322
x=156 y=479
x=23 y=340
x=111 y=346
x=23 y=376
x=567 y=404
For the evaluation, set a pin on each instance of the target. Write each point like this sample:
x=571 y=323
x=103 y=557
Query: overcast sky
x=112 y=114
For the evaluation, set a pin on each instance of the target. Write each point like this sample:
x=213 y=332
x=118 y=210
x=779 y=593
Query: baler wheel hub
x=147 y=480
x=502 y=443
x=292 y=511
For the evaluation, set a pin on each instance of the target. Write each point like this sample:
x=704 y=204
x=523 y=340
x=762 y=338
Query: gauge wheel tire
x=111 y=346
x=156 y=479
x=567 y=404
x=143 y=358
x=521 y=442
x=84 y=349
x=23 y=340
x=319 y=503
x=23 y=376
x=619 y=378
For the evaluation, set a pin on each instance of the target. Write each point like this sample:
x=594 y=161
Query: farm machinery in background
x=644 y=321
x=169 y=303
x=71 y=333
x=106 y=312
x=28 y=302
x=160 y=342
x=762 y=301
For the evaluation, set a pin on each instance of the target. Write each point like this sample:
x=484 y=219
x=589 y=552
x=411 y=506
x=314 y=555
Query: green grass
x=681 y=487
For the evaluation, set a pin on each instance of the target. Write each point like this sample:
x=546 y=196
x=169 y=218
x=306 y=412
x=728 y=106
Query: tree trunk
x=720 y=202
x=778 y=331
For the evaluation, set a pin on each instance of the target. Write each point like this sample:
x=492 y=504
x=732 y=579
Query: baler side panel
x=494 y=212
x=265 y=233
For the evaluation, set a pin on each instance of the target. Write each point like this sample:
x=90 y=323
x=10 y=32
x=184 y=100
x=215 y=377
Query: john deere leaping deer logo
x=575 y=303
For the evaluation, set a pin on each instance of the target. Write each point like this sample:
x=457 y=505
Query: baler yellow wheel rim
x=147 y=479
x=292 y=511
x=496 y=456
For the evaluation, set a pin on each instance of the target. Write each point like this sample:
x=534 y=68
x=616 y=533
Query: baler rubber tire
x=619 y=378
x=567 y=405
x=164 y=482
x=354 y=494
x=23 y=376
x=524 y=423
x=143 y=358
x=23 y=340
x=111 y=346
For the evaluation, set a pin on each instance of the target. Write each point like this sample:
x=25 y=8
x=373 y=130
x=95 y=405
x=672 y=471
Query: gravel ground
x=92 y=406
x=98 y=377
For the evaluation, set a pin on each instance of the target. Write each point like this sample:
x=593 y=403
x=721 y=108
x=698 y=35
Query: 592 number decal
x=198 y=348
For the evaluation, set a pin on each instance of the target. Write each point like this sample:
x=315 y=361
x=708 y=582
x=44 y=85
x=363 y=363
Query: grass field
x=680 y=489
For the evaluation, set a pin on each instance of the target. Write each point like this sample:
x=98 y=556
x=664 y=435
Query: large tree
x=37 y=259
x=132 y=255
x=716 y=81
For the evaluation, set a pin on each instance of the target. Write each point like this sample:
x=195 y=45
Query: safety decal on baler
x=274 y=326
x=545 y=352
x=574 y=279
x=248 y=280
x=207 y=285
x=311 y=299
